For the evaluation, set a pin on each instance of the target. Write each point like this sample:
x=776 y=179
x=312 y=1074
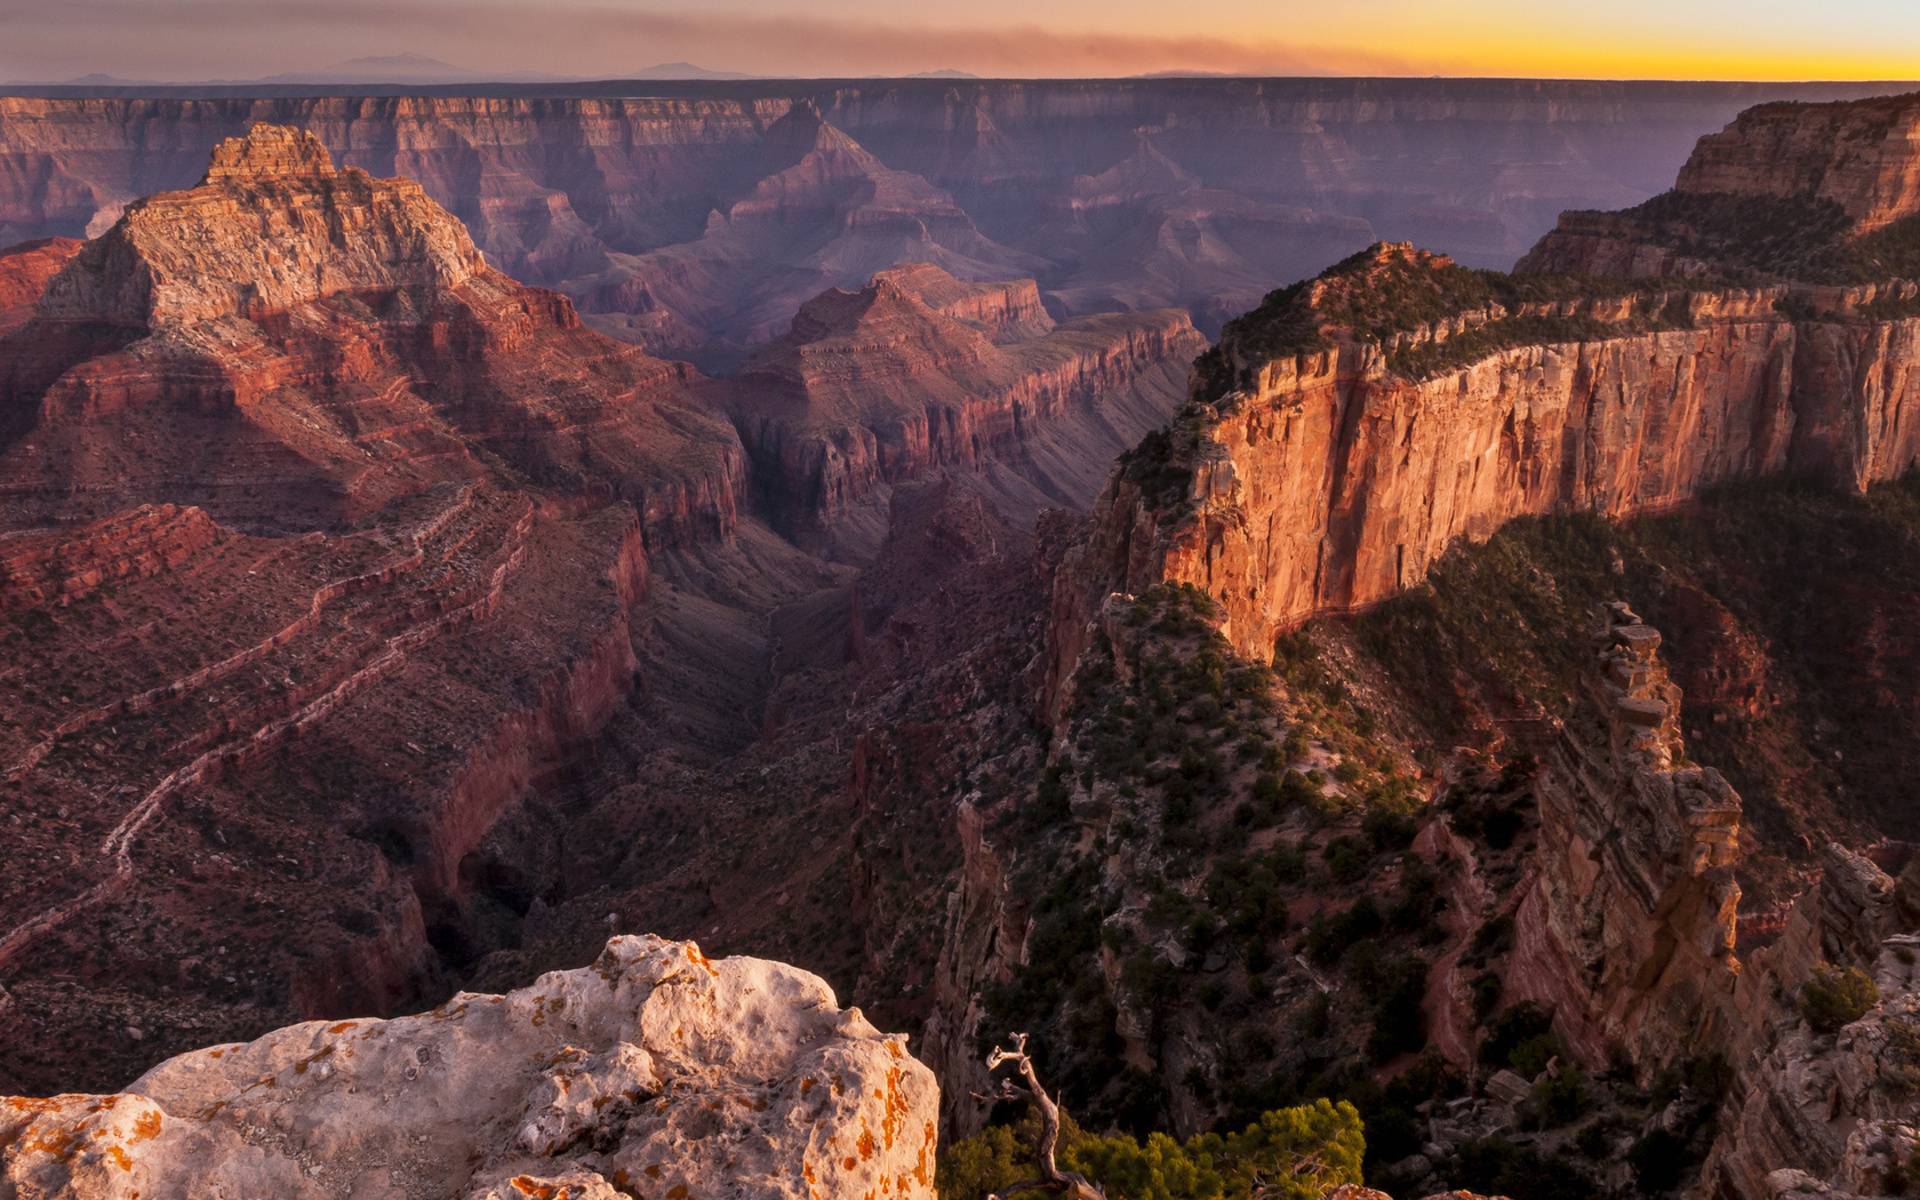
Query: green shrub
x=1296 y=1153
x=1523 y=1027
x=1561 y=1099
x=1835 y=997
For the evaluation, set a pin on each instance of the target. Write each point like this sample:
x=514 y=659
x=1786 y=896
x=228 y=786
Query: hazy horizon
x=191 y=41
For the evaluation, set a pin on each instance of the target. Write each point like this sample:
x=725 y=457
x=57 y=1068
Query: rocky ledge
x=656 y=1071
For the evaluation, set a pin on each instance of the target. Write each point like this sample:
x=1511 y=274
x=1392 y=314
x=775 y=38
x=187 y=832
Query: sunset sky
x=1697 y=39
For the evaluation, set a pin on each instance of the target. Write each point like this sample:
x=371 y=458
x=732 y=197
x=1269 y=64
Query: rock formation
x=1814 y=1113
x=919 y=371
x=1348 y=431
x=24 y=272
x=1783 y=179
x=310 y=233
x=292 y=345
x=828 y=210
x=1200 y=194
x=1627 y=933
x=655 y=1071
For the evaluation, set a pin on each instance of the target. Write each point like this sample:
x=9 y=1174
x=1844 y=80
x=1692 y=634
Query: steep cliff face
x=1861 y=157
x=654 y=1068
x=1320 y=470
x=918 y=371
x=24 y=272
x=1627 y=933
x=1827 y=191
x=1826 y=1111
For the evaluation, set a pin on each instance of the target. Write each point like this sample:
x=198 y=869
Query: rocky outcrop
x=919 y=371
x=1863 y=157
x=271 y=227
x=292 y=345
x=1817 y=1114
x=654 y=1070
x=1786 y=190
x=1333 y=480
x=1627 y=933
x=1006 y=312
x=24 y=272
x=1341 y=437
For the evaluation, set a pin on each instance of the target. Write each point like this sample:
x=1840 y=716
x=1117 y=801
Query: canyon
x=694 y=218
x=382 y=631
x=305 y=501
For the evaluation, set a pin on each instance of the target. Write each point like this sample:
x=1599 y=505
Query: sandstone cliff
x=1627 y=933
x=1333 y=451
x=1828 y=191
x=654 y=1070
x=24 y=272
x=1860 y=156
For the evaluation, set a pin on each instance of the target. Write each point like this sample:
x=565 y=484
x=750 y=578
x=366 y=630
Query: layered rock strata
x=1200 y=194
x=1342 y=436
x=1627 y=933
x=656 y=1070
x=288 y=344
x=919 y=371
x=1825 y=1113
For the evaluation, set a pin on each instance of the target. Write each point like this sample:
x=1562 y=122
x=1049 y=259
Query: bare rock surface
x=272 y=226
x=654 y=1071
x=1634 y=901
x=1860 y=156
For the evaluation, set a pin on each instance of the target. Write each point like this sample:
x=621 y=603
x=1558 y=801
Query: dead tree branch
x=1068 y=1183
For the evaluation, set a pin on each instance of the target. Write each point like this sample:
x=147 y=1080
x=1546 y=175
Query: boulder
x=656 y=1070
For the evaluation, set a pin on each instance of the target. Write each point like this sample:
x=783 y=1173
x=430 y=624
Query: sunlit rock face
x=294 y=344
x=656 y=1069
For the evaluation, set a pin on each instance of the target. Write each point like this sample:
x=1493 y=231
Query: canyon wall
x=919 y=372
x=1334 y=482
x=1627 y=932
x=1120 y=195
x=1863 y=157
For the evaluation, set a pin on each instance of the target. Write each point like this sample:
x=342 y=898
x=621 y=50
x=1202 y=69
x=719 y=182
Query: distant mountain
x=686 y=70
x=946 y=73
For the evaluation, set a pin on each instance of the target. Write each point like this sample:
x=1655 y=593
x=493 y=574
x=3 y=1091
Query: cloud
x=197 y=39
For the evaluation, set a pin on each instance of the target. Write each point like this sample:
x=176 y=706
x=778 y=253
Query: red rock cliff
x=1325 y=478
